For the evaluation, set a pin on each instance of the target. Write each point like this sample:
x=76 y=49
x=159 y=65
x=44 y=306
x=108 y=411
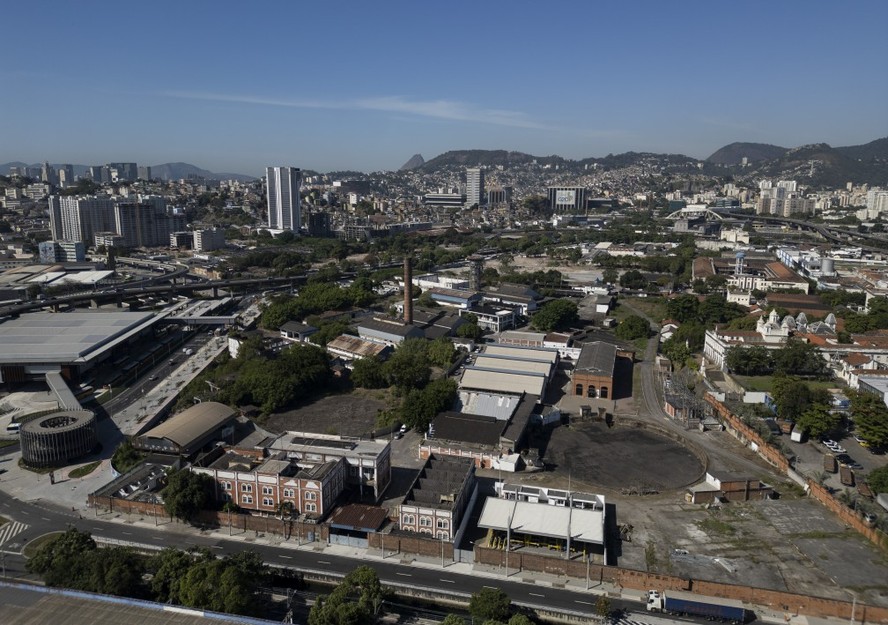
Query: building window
x=409 y=519
x=226 y=485
x=425 y=521
x=267 y=490
x=310 y=507
x=442 y=535
x=246 y=499
x=579 y=390
x=246 y=488
x=591 y=391
x=442 y=524
x=288 y=492
x=310 y=496
x=603 y=392
x=267 y=501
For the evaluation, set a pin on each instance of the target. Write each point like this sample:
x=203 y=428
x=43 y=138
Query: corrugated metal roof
x=521 y=365
x=528 y=353
x=503 y=382
x=539 y=519
x=487 y=404
x=193 y=423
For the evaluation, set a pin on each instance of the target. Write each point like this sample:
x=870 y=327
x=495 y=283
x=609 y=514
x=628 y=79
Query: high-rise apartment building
x=79 y=218
x=475 y=186
x=284 y=209
x=209 y=239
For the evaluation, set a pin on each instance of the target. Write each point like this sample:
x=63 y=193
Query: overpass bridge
x=228 y=320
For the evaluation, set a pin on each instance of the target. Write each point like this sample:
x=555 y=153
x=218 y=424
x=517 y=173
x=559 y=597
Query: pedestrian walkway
x=10 y=531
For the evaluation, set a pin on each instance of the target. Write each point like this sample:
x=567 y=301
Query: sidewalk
x=594 y=588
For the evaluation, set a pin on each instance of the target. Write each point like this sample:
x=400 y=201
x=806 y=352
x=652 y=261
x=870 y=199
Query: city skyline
x=353 y=86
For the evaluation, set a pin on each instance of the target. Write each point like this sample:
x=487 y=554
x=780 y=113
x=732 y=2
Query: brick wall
x=790 y=603
x=748 y=435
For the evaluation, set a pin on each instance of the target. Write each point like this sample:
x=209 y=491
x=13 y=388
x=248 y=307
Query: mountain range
x=818 y=165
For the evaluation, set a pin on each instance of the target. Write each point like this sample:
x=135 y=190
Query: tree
x=800 y=358
x=490 y=604
x=420 y=406
x=441 y=352
x=633 y=279
x=870 y=418
x=878 y=480
x=610 y=276
x=65 y=560
x=186 y=493
x=817 y=420
x=170 y=567
x=793 y=397
x=126 y=457
x=470 y=331
x=555 y=315
x=355 y=601
x=228 y=585
x=369 y=373
x=683 y=308
x=408 y=367
x=633 y=327
x=603 y=606
x=116 y=571
x=453 y=619
x=750 y=360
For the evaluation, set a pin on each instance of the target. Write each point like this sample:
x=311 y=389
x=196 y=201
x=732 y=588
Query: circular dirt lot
x=621 y=457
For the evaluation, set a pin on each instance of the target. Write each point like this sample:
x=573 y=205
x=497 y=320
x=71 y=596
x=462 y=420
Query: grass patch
x=7 y=443
x=84 y=470
x=764 y=383
x=40 y=470
x=716 y=526
x=641 y=345
x=653 y=307
x=31 y=548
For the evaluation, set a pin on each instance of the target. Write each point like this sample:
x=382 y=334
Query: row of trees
x=712 y=310
x=796 y=357
x=196 y=579
x=315 y=298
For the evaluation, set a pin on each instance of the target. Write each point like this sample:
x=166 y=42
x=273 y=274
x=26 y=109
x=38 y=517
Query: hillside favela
x=492 y=386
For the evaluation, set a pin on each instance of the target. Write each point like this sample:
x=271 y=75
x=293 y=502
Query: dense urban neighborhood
x=643 y=383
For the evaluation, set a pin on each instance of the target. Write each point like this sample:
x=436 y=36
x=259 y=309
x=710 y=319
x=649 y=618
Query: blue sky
x=236 y=86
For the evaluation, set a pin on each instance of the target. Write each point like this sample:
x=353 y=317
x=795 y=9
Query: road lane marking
x=583 y=602
x=127 y=533
x=216 y=547
x=494 y=587
x=25 y=512
x=287 y=557
x=449 y=581
x=533 y=594
x=404 y=574
x=323 y=562
x=157 y=538
x=44 y=518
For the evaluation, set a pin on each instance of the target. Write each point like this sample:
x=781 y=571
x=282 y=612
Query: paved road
x=41 y=518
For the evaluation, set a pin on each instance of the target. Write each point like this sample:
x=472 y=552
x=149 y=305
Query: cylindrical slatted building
x=55 y=439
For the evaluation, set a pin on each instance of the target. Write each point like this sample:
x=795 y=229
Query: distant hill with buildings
x=734 y=153
x=176 y=171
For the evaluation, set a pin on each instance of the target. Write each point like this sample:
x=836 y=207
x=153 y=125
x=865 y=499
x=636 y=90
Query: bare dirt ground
x=346 y=414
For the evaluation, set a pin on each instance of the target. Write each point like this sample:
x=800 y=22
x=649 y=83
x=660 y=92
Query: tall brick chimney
x=408 y=291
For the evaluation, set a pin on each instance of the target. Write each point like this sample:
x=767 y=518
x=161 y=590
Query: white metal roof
x=484 y=361
x=503 y=382
x=539 y=519
x=527 y=353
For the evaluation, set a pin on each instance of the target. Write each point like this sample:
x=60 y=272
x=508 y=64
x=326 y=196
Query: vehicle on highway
x=712 y=608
